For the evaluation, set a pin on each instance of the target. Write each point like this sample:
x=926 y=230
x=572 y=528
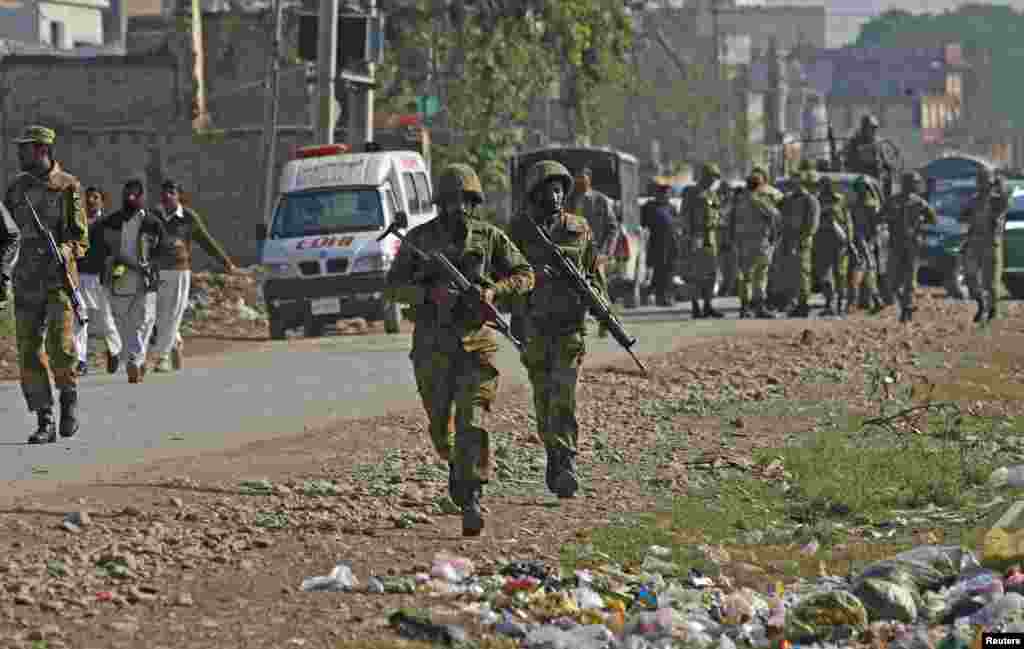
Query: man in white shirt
x=94 y=294
x=131 y=234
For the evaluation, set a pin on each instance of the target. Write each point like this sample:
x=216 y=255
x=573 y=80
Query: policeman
x=47 y=353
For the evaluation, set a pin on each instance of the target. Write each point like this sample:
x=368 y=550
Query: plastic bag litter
x=451 y=568
x=929 y=567
x=341 y=579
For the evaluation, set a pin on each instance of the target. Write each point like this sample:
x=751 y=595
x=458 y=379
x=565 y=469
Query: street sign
x=360 y=38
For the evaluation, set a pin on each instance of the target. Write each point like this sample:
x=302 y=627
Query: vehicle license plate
x=326 y=306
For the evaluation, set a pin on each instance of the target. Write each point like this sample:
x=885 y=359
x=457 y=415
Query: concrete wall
x=222 y=173
x=101 y=91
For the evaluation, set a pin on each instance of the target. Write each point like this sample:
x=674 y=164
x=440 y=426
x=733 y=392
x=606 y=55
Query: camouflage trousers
x=553 y=363
x=457 y=387
x=904 y=263
x=47 y=354
x=983 y=270
x=832 y=270
x=752 y=274
x=805 y=254
x=862 y=281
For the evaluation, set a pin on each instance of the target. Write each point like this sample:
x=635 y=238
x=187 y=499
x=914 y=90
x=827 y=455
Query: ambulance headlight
x=373 y=263
x=278 y=271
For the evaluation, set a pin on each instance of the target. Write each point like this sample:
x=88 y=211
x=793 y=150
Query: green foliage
x=977 y=27
x=488 y=70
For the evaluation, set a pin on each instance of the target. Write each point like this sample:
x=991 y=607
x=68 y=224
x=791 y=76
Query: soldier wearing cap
x=986 y=218
x=703 y=220
x=864 y=275
x=47 y=353
x=453 y=352
x=907 y=213
x=755 y=226
x=555 y=316
x=801 y=215
x=863 y=153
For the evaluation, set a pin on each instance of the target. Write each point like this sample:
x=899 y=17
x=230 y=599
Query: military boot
x=68 y=412
x=566 y=481
x=744 y=310
x=907 y=314
x=695 y=310
x=551 y=468
x=827 y=311
x=842 y=308
x=877 y=305
x=472 y=515
x=980 y=315
x=992 y=312
x=46 y=433
x=453 y=485
x=800 y=311
x=761 y=312
x=712 y=312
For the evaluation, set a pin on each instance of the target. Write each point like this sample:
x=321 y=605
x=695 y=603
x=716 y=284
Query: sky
x=844 y=17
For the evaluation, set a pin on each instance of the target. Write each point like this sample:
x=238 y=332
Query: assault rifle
x=74 y=292
x=596 y=304
x=465 y=288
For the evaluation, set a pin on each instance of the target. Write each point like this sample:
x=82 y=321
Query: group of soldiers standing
x=127 y=272
x=863 y=250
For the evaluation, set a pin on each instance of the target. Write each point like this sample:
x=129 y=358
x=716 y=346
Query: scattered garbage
x=340 y=580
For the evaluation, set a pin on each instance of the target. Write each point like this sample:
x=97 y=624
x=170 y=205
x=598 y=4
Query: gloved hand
x=442 y=295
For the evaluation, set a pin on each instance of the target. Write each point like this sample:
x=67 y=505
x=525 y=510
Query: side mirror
x=401 y=220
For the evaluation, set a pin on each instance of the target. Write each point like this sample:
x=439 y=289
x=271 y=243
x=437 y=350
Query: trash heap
x=225 y=304
x=931 y=596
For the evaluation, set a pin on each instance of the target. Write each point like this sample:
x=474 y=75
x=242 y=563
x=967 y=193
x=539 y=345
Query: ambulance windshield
x=328 y=211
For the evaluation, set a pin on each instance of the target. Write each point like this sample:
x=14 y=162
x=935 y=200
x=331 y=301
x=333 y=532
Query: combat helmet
x=710 y=170
x=869 y=120
x=457 y=179
x=912 y=181
x=545 y=170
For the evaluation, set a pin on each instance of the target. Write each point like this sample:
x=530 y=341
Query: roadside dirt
x=182 y=554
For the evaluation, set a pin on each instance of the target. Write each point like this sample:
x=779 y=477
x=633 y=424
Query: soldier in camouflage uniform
x=801 y=215
x=46 y=328
x=907 y=213
x=703 y=220
x=555 y=317
x=986 y=217
x=863 y=290
x=831 y=245
x=755 y=226
x=453 y=352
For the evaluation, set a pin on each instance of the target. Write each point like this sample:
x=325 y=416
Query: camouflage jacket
x=836 y=221
x=986 y=215
x=865 y=216
x=801 y=216
x=57 y=198
x=553 y=306
x=484 y=254
x=599 y=211
x=756 y=218
x=703 y=220
x=907 y=214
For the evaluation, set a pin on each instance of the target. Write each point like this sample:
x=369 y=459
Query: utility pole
x=272 y=109
x=716 y=80
x=360 y=96
x=327 y=59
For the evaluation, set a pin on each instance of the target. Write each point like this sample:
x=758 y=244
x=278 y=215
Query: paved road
x=232 y=399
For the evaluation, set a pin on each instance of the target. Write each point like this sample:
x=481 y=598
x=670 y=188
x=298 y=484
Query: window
x=423 y=190
x=307 y=214
x=409 y=184
x=57 y=34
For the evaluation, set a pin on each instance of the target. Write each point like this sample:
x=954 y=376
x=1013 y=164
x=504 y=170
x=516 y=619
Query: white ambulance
x=320 y=253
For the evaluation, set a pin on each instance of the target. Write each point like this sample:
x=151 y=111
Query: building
x=65 y=27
